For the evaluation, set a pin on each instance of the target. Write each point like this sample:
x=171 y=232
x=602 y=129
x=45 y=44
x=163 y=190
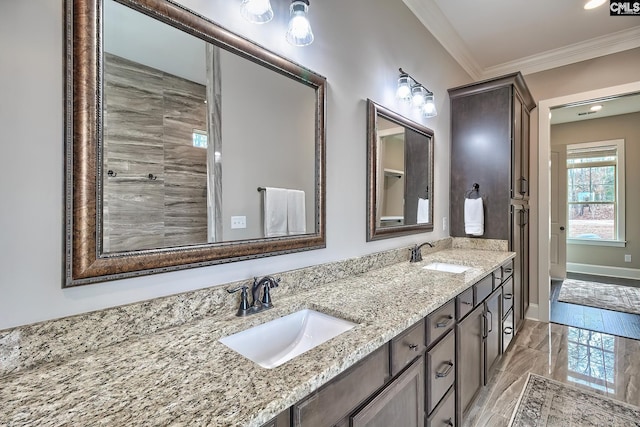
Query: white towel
x=474 y=217
x=296 y=218
x=275 y=212
x=423 y=210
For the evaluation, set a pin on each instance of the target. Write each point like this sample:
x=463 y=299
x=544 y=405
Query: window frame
x=619 y=204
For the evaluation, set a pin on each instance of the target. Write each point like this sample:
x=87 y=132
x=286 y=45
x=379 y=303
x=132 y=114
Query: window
x=595 y=192
x=199 y=138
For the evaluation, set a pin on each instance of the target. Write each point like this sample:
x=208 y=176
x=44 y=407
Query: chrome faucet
x=416 y=254
x=257 y=305
x=266 y=283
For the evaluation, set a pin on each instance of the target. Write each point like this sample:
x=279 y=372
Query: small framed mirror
x=399 y=174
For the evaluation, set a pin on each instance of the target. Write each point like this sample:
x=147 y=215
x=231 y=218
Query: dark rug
x=546 y=402
x=601 y=295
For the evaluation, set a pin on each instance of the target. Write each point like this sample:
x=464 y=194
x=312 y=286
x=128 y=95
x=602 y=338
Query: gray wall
x=608 y=128
x=359 y=47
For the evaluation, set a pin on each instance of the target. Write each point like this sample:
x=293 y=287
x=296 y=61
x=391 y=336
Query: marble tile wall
x=149 y=120
x=57 y=340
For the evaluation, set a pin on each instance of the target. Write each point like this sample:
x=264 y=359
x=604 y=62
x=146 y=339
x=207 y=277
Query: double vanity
x=413 y=331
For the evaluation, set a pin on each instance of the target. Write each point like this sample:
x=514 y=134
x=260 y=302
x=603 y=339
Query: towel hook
x=112 y=173
x=475 y=191
x=152 y=177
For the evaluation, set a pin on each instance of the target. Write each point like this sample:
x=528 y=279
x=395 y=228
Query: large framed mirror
x=399 y=174
x=177 y=133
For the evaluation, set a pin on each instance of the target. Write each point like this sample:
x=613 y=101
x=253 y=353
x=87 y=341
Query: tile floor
x=602 y=363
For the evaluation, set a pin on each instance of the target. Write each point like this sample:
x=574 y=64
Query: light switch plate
x=238 y=222
x=445 y=223
x=627 y=258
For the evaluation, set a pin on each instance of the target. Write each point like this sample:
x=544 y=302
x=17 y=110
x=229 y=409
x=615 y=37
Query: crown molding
x=583 y=51
x=439 y=26
x=430 y=15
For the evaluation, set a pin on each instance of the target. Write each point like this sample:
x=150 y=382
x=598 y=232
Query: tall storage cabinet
x=490 y=147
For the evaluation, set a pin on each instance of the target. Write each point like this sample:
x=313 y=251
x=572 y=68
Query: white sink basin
x=449 y=268
x=273 y=343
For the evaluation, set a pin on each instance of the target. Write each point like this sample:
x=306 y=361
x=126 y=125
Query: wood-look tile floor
x=595 y=319
x=601 y=363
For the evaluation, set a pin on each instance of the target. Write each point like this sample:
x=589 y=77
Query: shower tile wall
x=149 y=120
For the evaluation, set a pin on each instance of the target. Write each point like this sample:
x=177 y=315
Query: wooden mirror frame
x=84 y=264
x=374 y=232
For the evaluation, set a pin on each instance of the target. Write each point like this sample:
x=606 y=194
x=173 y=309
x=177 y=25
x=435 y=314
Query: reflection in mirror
x=400 y=174
x=183 y=132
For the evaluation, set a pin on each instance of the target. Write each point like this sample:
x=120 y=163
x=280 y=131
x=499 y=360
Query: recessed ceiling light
x=596 y=108
x=592 y=4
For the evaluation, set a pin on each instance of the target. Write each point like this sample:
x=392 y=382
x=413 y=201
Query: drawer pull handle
x=466 y=302
x=413 y=347
x=508 y=270
x=449 y=422
x=446 y=371
x=445 y=323
x=508 y=330
x=508 y=296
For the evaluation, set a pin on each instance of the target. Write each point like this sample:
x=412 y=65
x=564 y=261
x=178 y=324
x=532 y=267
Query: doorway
x=544 y=168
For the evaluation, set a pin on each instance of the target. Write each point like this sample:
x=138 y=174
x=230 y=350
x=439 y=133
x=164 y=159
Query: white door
x=558 y=243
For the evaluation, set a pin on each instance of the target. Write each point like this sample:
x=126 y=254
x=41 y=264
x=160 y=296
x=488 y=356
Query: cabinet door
x=493 y=335
x=525 y=153
x=401 y=403
x=517 y=215
x=282 y=420
x=470 y=359
x=516 y=150
x=524 y=249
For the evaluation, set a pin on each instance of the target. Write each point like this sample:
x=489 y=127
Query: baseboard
x=604 y=270
x=533 y=312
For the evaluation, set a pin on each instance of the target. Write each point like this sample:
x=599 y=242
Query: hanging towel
x=296 y=218
x=473 y=217
x=423 y=210
x=275 y=212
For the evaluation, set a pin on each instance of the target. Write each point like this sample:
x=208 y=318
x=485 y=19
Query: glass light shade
x=592 y=4
x=429 y=107
x=418 y=94
x=404 y=87
x=256 y=11
x=299 y=32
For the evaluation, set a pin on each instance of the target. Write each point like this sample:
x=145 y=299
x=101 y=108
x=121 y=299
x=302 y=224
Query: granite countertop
x=183 y=375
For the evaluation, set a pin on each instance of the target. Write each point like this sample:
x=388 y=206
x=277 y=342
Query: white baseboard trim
x=604 y=270
x=532 y=312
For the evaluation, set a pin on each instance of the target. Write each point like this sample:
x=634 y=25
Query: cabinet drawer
x=507 y=295
x=282 y=420
x=336 y=399
x=507 y=270
x=445 y=414
x=464 y=303
x=440 y=370
x=508 y=330
x=440 y=321
x=406 y=347
x=482 y=289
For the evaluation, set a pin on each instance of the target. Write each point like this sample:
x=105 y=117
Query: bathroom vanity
x=402 y=356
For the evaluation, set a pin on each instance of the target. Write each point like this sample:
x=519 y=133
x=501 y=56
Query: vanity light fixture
x=592 y=4
x=299 y=29
x=256 y=11
x=409 y=90
x=299 y=32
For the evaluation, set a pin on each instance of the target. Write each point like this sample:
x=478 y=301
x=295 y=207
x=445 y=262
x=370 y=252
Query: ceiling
x=489 y=38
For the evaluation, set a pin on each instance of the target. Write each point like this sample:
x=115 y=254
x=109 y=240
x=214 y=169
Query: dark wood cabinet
x=492 y=333
x=401 y=403
x=490 y=147
x=490 y=123
x=282 y=420
x=470 y=358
